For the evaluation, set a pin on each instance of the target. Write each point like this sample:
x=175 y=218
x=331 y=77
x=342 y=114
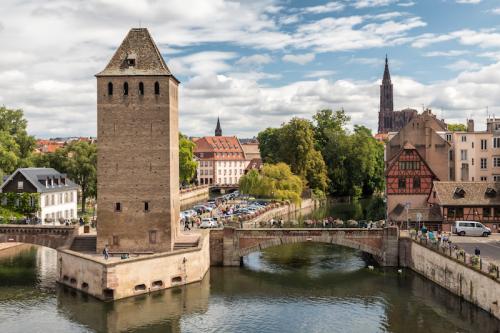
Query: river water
x=292 y=288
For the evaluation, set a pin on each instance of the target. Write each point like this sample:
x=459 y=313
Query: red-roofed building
x=48 y=146
x=221 y=159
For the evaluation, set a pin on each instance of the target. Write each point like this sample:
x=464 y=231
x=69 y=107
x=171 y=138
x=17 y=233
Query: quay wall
x=136 y=275
x=473 y=286
x=193 y=195
x=305 y=206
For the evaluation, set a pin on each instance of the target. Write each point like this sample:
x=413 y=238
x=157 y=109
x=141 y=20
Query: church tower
x=138 y=149
x=218 y=129
x=385 y=118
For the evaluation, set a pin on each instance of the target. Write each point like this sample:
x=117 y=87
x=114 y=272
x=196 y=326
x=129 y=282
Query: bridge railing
x=458 y=254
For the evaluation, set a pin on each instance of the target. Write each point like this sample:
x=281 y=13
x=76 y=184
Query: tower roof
x=218 y=129
x=387 y=74
x=137 y=55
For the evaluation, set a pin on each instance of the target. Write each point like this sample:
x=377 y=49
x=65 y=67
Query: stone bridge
x=229 y=245
x=44 y=235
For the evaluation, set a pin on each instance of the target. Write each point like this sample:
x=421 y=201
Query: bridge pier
x=390 y=247
x=230 y=249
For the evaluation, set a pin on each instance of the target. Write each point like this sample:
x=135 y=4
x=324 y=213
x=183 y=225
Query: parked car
x=470 y=228
x=208 y=223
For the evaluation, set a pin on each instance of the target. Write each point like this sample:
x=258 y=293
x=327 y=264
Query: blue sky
x=255 y=63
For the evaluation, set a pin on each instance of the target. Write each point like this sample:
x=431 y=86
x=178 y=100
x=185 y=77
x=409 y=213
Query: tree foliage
x=294 y=144
x=457 y=127
x=187 y=164
x=326 y=154
x=16 y=146
x=274 y=181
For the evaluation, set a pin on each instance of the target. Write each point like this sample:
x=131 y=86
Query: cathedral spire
x=387 y=74
x=218 y=129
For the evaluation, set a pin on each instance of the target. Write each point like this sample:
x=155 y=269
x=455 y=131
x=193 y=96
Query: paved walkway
x=489 y=246
x=5 y=246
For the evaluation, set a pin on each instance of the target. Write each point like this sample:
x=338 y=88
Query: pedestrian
x=477 y=251
x=81 y=221
x=105 y=252
x=186 y=226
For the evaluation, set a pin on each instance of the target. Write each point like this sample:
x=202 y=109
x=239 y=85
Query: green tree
x=457 y=127
x=16 y=146
x=81 y=166
x=187 y=164
x=294 y=144
x=274 y=181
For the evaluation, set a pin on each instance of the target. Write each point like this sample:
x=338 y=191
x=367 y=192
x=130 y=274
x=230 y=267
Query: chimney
x=470 y=125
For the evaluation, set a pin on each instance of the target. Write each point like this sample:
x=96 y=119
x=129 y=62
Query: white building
x=58 y=194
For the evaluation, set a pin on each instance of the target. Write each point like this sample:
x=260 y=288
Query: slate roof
x=429 y=214
x=474 y=193
x=137 y=45
x=37 y=177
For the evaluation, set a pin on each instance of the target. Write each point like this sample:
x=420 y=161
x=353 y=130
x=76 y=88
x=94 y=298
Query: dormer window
x=491 y=192
x=131 y=60
x=459 y=192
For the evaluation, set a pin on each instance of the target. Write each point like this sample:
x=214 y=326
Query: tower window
x=110 y=89
x=125 y=88
x=141 y=88
x=118 y=207
x=157 y=88
x=146 y=206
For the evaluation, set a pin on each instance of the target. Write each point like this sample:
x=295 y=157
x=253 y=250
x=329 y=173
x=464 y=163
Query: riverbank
x=6 y=246
x=451 y=270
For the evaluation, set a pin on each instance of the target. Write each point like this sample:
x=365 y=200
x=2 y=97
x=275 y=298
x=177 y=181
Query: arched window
x=110 y=89
x=157 y=88
x=125 y=88
x=141 y=88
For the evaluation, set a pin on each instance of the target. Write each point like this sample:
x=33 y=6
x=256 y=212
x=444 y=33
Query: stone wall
x=305 y=206
x=44 y=235
x=474 y=286
x=194 y=195
x=134 y=276
x=216 y=247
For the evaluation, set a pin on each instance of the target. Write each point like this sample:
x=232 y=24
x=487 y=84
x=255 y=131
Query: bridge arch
x=230 y=244
x=374 y=251
x=43 y=235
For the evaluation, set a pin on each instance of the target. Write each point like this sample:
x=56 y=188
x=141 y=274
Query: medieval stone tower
x=138 y=149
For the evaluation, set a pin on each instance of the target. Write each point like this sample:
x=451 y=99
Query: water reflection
x=290 y=288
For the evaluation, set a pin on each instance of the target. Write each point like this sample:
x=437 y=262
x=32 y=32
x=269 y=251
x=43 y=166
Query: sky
x=258 y=63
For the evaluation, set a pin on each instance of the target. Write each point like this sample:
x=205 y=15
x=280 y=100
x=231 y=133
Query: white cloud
x=450 y=53
x=463 y=65
x=333 y=6
x=495 y=11
x=202 y=63
x=485 y=38
x=372 y=3
x=319 y=74
x=468 y=1
x=300 y=59
x=255 y=59
x=406 y=4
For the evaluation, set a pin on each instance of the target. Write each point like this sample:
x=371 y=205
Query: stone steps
x=185 y=245
x=84 y=244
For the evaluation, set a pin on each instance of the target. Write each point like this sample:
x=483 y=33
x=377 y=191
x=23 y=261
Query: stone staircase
x=181 y=245
x=84 y=244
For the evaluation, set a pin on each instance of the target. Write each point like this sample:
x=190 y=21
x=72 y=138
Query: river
x=292 y=288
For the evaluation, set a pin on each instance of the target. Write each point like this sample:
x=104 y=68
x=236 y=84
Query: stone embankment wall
x=281 y=211
x=136 y=275
x=474 y=286
x=193 y=195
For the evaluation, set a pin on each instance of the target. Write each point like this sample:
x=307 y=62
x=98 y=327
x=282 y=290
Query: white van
x=208 y=223
x=470 y=228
